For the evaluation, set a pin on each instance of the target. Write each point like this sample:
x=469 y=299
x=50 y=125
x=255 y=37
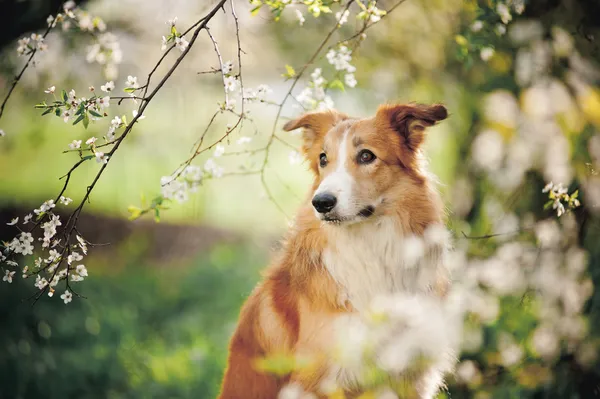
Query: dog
x=371 y=191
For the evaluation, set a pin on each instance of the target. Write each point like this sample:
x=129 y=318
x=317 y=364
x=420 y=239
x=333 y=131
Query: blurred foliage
x=142 y=333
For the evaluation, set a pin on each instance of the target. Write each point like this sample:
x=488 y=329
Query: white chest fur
x=368 y=260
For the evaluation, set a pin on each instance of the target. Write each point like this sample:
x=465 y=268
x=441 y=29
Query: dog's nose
x=324 y=202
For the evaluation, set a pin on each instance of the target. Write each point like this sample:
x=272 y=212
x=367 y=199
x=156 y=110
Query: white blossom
x=211 y=167
x=181 y=43
x=504 y=13
x=13 y=222
x=91 y=140
x=45 y=207
x=350 y=80
x=8 y=275
x=231 y=83
x=75 y=144
x=67 y=297
x=101 y=157
x=300 y=17
x=227 y=67
x=219 y=150
x=171 y=22
x=50 y=90
x=486 y=53
x=108 y=86
x=342 y=17
x=477 y=26
x=81 y=270
x=132 y=82
x=244 y=140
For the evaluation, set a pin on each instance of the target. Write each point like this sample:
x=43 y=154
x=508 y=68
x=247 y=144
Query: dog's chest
x=367 y=261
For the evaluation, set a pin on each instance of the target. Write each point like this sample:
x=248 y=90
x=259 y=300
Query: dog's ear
x=409 y=122
x=315 y=125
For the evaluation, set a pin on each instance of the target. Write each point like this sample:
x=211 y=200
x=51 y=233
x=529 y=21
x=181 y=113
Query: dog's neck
x=367 y=260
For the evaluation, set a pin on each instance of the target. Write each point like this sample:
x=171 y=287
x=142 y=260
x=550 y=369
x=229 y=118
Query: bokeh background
x=163 y=298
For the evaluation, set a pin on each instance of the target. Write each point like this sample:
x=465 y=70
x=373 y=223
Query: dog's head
x=364 y=166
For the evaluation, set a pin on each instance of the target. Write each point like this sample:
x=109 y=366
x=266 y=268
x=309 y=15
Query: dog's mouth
x=364 y=213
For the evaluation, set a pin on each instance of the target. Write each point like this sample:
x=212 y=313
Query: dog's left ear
x=411 y=120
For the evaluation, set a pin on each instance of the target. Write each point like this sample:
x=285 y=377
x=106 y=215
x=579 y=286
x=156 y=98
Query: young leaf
x=94 y=113
x=64 y=95
x=255 y=10
x=79 y=119
x=86 y=121
x=337 y=84
x=290 y=72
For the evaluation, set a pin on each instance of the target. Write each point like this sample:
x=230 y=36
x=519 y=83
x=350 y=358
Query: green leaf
x=255 y=10
x=337 y=84
x=41 y=105
x=64 y=95
x=548 y=205
x=79 y=119
x=88 y=157
x=86 y=121
x=156 y=215
x=47 y=111
x=80 y=109
x=134 y=211
x=575 y=194
x=290 y=72
x=129 y=90
x=57 y=111
x=94 y=113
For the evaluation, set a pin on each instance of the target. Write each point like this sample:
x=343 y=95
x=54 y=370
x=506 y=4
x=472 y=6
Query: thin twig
x=20 y=75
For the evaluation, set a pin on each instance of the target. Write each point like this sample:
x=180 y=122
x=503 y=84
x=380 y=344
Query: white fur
x=339 y=182
x=367 y=260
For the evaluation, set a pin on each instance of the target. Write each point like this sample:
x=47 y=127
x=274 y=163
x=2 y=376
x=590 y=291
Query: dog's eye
x=323 y=160
x=366 y=157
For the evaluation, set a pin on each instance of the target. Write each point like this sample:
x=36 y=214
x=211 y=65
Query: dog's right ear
x=315 y=126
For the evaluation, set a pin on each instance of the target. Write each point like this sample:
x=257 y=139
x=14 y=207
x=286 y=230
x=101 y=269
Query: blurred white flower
x=219 y=150
x=545 y=342
x=300 y=17
x=342 y=17
x=477 y=26
x=504 y=13
x=488 y=150
x=467 y=372
x=350 y=80
x=487 y=53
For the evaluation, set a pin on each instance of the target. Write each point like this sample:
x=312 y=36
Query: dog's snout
x=324 y=202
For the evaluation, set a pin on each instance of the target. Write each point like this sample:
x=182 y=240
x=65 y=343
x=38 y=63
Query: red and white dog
x=370 y=192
